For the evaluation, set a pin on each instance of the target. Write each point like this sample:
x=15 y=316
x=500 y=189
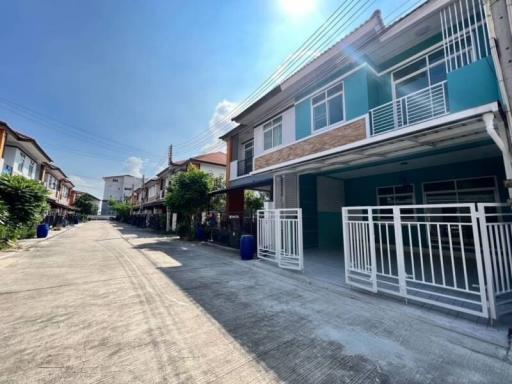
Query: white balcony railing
x=414 y=108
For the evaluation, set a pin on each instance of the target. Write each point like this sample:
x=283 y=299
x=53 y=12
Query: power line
x=337 y=63
x=66 y=129
x=299 y=61
x=296 y=60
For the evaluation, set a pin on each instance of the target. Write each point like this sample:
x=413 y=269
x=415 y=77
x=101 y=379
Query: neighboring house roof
x=53 y=167
x=25 y=138
x=218 y=158
x=80 y=193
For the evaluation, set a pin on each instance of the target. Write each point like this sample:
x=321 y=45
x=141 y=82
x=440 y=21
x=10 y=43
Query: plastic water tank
x=42 y=231
x=247 y=247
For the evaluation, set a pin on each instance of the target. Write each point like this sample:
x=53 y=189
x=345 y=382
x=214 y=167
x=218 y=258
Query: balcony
x=417 y=107
x=240 y=168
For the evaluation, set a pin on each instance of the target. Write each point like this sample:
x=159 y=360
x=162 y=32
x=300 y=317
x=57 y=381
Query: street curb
x=34 y=243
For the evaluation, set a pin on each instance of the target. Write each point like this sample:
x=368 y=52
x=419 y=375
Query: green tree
x=25 y=203
x=217 y=202
x=253 y=201
x=122 y=209
x=188 y=195
x=85 y=205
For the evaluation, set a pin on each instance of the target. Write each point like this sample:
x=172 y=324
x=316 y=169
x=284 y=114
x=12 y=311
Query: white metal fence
x=426 y=253
x=464 y=31
x=279 y=237
x=496 y=229
x=414 y=108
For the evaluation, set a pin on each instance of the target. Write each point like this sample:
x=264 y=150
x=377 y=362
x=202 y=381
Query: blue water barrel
x=42 y=231
x=247 y=247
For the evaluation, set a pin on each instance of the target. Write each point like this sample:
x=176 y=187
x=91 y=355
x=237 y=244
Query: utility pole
x=498 y=15
x=168 y=215
x=141 y=195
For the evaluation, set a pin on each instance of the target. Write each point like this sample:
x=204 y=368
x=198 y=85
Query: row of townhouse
x=149 y=196
x=22 y=155
x=381 y=149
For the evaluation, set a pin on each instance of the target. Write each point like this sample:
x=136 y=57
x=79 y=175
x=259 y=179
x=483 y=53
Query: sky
x=105 y=86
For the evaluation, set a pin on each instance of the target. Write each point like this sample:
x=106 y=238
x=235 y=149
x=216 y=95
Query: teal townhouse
x=386 y=158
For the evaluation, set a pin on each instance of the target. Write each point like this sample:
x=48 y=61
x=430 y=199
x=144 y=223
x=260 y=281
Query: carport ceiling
x=418 y=143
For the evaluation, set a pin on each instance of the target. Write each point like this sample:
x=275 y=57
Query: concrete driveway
x=111 y=304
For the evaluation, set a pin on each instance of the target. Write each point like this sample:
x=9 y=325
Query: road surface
x=103 y=303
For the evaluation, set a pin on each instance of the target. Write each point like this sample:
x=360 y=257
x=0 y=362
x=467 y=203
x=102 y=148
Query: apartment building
x=119 y=188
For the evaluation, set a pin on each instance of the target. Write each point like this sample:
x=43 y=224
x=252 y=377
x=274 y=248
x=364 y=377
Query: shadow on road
x=269 y=318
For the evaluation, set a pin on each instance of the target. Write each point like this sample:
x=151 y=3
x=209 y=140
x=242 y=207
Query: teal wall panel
x=472 y=85
x=302 y=119
x=308 y=203
x=379 y=89
x=329 y=230
x=356 y=94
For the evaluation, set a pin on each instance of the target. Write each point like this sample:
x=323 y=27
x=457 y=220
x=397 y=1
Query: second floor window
x=21 y=162
x=328 y=107
x=51 y=182
x=31 y=167
x=273 y=133
x=420 y=74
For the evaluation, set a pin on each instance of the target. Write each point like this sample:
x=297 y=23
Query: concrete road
x=107 y=304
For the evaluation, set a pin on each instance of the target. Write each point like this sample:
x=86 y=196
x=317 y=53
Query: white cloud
x=87 y=184
x=220 y=123
x=134 y=166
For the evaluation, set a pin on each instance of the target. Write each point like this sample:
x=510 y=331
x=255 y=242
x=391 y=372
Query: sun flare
x=298 y=8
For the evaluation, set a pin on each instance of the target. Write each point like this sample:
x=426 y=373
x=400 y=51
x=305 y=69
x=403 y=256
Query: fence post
x=277 y=218
x=399 y=246
x=373 y=261
x=299 y=240
x=486 y=255
x=346 y=244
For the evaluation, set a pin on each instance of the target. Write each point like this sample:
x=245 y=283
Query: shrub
x=24 y=203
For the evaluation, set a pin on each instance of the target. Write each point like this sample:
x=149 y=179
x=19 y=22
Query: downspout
x=509 y=13
x=502 y=143
x=497 y=63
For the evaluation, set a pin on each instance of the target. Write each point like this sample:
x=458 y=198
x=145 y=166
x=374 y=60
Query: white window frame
x=271 y=127
x=456 y=191
x=31 y=167
x=394 y=195
x=325 y=100
x=424 y=69
x=21 y=162
x=51 y=182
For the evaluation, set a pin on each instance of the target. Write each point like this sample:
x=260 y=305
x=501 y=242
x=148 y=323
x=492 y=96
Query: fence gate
x=426 y=253
x=279 y=237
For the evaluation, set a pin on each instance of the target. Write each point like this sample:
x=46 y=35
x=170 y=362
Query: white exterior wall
x=152 y=191
x=121 y=189
x=214 y=170
x=288 y=132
